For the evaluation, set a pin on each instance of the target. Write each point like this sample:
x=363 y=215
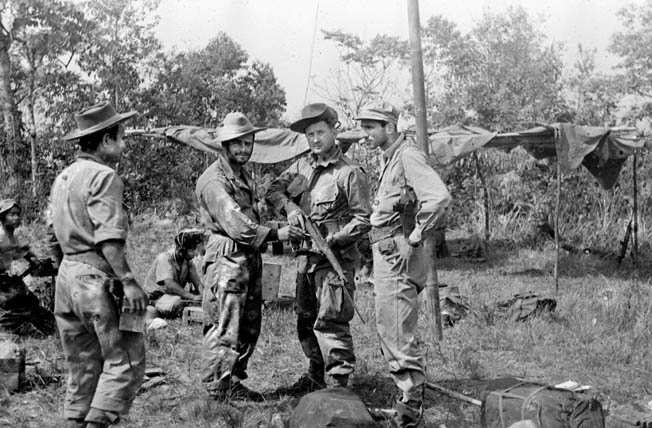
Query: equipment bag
x=525 y=306
x=547 y=406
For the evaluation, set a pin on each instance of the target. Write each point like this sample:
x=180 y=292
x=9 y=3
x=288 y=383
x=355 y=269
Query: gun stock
x=322 y=246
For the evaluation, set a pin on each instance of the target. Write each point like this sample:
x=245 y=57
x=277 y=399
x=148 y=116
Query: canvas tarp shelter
x=601 y=150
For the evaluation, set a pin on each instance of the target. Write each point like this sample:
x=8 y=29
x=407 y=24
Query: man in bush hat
x=106 y=364
x=232 y=265
x=409 y=202
x=333 y=192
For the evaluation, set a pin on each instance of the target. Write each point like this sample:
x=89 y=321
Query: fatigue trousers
x=324 y=308
x=232 y=305
x=397 y=308
x=105 y=365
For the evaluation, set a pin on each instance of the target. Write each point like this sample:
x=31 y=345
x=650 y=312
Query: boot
x=408 y=414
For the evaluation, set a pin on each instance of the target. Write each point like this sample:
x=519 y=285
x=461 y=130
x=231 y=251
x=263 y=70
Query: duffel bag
x=547 y=406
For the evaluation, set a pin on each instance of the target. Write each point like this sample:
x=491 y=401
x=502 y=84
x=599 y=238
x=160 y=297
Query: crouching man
x=171 y=271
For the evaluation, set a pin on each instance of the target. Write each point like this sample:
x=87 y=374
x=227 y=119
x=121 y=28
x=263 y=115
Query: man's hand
x=134 y=295
x=295 y=218
x=406 y=248
x=196 y=298
x=331 y=240
x=292 y=232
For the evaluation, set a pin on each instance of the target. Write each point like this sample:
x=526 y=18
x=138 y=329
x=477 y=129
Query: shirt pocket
x=297 y=186
x=324 y=197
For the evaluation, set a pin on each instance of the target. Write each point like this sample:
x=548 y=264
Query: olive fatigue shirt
x=333 y=192
x=405 y=164
x=227 y=206
x=86 y=206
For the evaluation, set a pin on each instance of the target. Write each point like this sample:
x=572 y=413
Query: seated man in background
x=171 y=271
x=20 y=310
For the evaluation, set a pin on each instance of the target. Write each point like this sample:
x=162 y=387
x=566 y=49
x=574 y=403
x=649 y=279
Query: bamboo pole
x=432 y=281
x=635 y=211
x=557 y=204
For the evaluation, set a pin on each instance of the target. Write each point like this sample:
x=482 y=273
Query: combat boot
x=408 y=414
x=339 y=381
x=307 y=383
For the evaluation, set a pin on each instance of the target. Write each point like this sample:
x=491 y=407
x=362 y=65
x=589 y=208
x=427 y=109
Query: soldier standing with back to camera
x=105 y=364
x=411 y=199
x=333 y=192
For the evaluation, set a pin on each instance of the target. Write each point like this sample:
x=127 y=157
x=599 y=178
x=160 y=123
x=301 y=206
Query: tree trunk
x=11 y=118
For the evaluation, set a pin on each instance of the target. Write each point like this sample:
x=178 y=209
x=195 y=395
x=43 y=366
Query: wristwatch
x=127 y=277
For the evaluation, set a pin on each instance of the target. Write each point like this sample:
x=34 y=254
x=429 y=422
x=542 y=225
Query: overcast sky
x=280 y=32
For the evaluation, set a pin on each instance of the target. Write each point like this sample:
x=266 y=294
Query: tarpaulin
x=272 y=145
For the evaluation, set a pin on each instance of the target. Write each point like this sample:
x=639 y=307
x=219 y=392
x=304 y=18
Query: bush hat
x=234 y=126
x=7 y=204
x=96 y=118
x=313 y=113
x=383 y=112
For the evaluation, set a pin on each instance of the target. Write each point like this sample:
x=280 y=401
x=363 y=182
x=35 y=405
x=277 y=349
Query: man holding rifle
x=332 y=193
x=411 y=199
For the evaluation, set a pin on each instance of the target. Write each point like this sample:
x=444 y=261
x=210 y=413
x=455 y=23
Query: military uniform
x=168 y=266
x=405 y=173
x=335 y=194
x=232 y=269
x=105 y=365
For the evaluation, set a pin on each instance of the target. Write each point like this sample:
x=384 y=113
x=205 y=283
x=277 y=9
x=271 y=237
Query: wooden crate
x=12 y=366
x=271 y=281
x=192 y=314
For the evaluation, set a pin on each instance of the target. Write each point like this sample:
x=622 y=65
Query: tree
x=369 y=71
x=502 y=71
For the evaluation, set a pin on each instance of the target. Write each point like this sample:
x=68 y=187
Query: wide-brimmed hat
x=96 y=118
x=236 y=125
x=313 y=113
x=382 y=112
x=7 y=204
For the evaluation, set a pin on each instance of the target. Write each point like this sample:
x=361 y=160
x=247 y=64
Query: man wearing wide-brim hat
x=232 y=265
x=333 y=192
x=106 y=361
x=410 y=201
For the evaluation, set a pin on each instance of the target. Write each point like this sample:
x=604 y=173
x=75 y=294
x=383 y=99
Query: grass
x=600 y=335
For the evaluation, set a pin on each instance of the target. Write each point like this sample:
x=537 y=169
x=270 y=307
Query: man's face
x=191 y=253
x=111 y=149
x=376 y=133
x=321 y=138
x=12 y=218
x=238 y=152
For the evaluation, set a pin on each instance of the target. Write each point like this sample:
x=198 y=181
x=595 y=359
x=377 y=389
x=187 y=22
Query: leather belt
x=377 y=234
x=92 y=258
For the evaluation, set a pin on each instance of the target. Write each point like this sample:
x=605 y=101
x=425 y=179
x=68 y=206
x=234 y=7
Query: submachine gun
x=321 y=246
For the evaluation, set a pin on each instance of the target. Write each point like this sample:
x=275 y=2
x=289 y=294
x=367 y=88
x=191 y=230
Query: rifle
x=322 y=247
x=625 y=242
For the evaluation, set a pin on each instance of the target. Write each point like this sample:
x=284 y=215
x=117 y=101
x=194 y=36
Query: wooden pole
x=557 y=204
x=635 y=211
x=419 y=90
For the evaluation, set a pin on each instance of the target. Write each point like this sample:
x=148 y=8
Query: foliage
x=369 y=71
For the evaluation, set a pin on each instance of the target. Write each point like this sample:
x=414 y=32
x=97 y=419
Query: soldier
x=105 y=364
x=409 y=202
x=331 y=190
x=171 y=271
x=20 y=310
x=232 y=265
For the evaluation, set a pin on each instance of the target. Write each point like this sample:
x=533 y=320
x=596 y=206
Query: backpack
x=546 y=406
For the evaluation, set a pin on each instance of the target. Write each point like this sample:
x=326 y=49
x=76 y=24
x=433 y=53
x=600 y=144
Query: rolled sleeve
x=105 y=208
x=432 y=195
x=276 y=195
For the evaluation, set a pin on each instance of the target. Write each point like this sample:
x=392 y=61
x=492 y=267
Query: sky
x=280 y=32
